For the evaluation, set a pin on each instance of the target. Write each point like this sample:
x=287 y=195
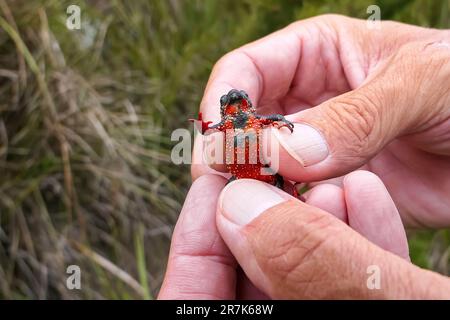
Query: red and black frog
x=243 y=128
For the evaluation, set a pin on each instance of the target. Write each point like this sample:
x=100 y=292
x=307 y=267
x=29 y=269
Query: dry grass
x=85 y=121
x=84 y=167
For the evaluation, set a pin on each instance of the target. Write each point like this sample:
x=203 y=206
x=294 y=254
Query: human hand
x=292 y=249
x=358 y=96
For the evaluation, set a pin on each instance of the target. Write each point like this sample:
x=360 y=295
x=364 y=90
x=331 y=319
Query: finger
x=291 y=75
x=345 y=132
x=290 y=249
x=264 y=73
x=373 y=214
x=249 y=68
x=200 y=265
x=202 y=162
x=338 y=181
x=328 y=197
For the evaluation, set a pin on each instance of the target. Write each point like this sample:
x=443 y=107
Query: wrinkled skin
x=311 y=75
x=293 y=250
x=324 y=71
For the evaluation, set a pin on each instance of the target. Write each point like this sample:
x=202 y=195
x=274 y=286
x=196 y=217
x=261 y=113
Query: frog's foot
x=204 y=126
x=279 y=181
x=288 y=187
x=284 y=123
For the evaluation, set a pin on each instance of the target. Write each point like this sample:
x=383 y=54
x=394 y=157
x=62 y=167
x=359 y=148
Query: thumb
x=405 y=94
x=291 y=250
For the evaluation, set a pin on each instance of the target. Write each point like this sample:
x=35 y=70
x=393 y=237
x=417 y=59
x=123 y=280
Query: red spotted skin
x=238 y=117
x=249 y=169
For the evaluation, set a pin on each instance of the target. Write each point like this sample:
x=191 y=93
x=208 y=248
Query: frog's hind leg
x=279 y=181
x=296 y=194
x=231 y=180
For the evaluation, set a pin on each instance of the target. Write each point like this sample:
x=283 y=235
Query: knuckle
x=354 y=118
x=425 y=67
x=236 y=56
x=333 y=17
x=294 y=251
x=329 y=19
x=224 y=61
x=424 y=58
x=298 y=248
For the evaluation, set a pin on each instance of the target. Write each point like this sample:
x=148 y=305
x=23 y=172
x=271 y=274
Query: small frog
x=238 y=115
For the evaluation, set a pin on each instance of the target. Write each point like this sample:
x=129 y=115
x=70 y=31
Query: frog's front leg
x=205 y=128
x=277 y=120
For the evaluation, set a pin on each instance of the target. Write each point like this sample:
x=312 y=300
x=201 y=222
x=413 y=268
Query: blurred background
x=85 y=123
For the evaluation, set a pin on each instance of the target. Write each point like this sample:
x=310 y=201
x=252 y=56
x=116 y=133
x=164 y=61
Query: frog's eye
x=244 y=94
x=223 y=100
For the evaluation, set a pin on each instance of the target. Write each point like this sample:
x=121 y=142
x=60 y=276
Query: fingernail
x=243 y=200
x=305 y=144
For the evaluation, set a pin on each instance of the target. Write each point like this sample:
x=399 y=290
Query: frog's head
x=235 y=102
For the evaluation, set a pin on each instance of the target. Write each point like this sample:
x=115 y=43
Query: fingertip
x=210 y=151
x=201 y=166
x=358 y=177
x=218 y=167
x=329 y=198
x=207 y=181
x=372 y=212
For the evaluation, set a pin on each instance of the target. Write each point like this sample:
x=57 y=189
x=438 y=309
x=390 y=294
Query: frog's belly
x=251 y=171
x=244 y=163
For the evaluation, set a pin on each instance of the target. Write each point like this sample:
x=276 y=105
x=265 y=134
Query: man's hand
x=357 y=96
x=291 y=249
